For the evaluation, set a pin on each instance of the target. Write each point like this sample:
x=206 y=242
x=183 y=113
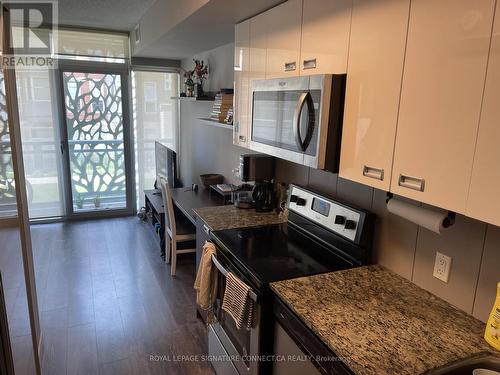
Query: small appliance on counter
x=263 y=196
x=242 y=198
x=231 y=193
x=260 y=169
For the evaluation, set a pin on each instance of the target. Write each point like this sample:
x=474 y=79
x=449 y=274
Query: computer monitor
x=166 y=164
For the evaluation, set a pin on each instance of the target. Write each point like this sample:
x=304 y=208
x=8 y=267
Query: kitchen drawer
x=216 y=350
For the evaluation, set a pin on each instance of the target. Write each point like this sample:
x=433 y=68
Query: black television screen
x=166 y=163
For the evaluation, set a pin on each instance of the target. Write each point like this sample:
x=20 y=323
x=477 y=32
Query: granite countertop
x=227 y=217
x=382 y=323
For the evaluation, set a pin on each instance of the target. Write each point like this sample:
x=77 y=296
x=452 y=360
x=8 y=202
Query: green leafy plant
x=79 y=201
x=97 y=201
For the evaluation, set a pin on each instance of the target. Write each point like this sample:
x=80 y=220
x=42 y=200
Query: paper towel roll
x=432 y=219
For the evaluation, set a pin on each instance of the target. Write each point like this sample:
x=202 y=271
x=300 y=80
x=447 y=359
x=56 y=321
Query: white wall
x=220 y=63
x=206 y=148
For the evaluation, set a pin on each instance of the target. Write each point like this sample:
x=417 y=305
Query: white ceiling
x=170 y=29
x=210 y=26
x=120 y=15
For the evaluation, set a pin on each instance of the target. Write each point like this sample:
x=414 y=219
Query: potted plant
x=79 y=201
x=188 y=76
x=97 y=201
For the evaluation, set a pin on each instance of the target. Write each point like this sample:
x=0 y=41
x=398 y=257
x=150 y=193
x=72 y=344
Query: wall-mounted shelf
x=193 y=99
x=216 y=123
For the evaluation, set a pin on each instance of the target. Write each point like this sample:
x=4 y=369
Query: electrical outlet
x=442 y=267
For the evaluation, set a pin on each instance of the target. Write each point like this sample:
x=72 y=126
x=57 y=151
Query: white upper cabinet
x=283 y=40
x=443 y=80
x=258 y=47
x=325 y=36
x=241 y=88
x=257 y=57
x=484 y=197
x=374 y=73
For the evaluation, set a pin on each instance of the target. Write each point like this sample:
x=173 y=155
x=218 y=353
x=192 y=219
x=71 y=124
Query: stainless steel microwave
x=299 y=119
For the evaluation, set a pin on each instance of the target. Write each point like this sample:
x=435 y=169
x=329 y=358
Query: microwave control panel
x=335 y=216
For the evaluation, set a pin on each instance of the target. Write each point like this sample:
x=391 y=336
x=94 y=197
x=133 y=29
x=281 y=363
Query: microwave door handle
x=296 y=120
x=305 y=98
x=311 y=122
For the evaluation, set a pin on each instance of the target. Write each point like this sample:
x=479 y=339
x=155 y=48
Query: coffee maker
x=260 y=169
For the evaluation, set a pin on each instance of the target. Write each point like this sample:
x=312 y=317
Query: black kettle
x=262 y=196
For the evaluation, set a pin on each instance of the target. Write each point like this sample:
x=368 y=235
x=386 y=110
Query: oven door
x=289 y=119
x=229 y=347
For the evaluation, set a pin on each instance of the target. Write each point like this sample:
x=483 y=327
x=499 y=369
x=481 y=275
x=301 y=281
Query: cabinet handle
x=309 y=64
x=411 y=182
x=376 y=173
x=290 y=66
x=206 y=229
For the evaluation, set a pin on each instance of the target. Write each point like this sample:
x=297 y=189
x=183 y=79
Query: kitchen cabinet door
x=258 y=47
x=484 y=200
x=283 y=42
x=257 y=57
x=443 y=80
x=374 y=73
x=325 y=36
x=241 y=88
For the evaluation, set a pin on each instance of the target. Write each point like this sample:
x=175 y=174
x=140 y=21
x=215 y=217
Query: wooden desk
x=185 y=200
x=188 y=200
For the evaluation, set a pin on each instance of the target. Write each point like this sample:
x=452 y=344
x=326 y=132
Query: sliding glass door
x=96 y=140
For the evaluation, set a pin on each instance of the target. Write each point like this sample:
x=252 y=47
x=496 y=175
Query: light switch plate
x=442 y=267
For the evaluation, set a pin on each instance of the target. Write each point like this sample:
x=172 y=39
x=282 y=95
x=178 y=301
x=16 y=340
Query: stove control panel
x=334 y=216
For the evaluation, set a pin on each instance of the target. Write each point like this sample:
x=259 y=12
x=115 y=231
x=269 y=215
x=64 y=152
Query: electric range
x=321 y=235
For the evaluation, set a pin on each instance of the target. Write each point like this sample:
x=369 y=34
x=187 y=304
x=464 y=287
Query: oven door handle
x=222 y=270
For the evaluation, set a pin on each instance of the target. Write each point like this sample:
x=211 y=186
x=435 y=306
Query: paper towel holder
x=447 y=222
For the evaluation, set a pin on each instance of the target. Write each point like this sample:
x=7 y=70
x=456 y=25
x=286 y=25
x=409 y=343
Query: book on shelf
x=222 y=106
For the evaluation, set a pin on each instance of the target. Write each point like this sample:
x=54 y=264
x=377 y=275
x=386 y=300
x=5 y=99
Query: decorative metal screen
x=94 y=119
x=7 y=187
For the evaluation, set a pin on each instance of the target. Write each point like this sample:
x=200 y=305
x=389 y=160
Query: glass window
x=40 y=139
x=156 y=117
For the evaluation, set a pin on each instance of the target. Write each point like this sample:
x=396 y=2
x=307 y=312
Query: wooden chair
x=177 y=229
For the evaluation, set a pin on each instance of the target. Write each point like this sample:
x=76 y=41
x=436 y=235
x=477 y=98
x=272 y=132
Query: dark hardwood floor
x=108 y=304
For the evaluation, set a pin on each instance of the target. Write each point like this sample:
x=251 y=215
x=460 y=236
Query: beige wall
x=410 y=250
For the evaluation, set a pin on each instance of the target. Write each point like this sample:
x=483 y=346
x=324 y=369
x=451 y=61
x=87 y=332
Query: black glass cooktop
x=278 y=252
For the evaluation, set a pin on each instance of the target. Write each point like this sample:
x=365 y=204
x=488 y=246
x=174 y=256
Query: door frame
x=121 y=69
